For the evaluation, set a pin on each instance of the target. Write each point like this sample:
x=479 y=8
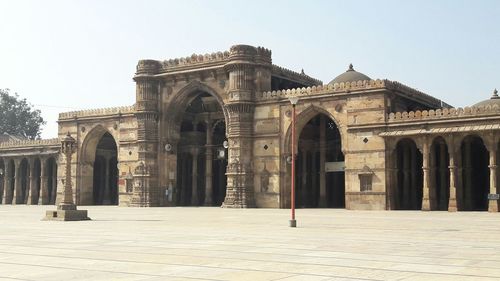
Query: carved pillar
x=208 y=166
x=53 y=195
x=240 y=107
x=148 y=193
x=493 y=204
x=413 y=191
x=452 y=201
x=392 y=177
x=44 y=189
x=194 y=174
x=106 y=192
x=314 y=177
x=31 y=195
x=433 y=182
x=406 y=176
x=467 y=195
x=17 y=183
x=322 y=161
x=303 y=185
x=6 y=183
x=425 y=168
x=442 y=177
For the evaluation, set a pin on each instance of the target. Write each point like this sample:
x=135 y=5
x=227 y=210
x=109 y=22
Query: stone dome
x=349 y=76
x=495 y=99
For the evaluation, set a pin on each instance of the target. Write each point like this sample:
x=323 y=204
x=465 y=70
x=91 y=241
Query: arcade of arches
x=201 y=168
x=454 y=174
x=29 y=180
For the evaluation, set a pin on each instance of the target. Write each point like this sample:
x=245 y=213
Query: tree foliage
x=17 y=117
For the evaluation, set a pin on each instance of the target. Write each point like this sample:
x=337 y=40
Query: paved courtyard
x=248 y=244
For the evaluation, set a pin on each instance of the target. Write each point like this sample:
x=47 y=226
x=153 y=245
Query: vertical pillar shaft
x=413 y=191
x=208 y=166
x=322 y=160
x=493 y=204
x=406 y=176
x=425 y=168
x=468 y=176
x=17 y=183
x=53 y=195
x=314 y=177
x=443 y=194
x=194 y=193
x=31 y=186
x=44 y=192
x=6 y=182
x=303 y=186
x=106 y=199
x=452 y=201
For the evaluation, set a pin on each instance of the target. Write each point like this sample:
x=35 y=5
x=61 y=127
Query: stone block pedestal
x=66 y=215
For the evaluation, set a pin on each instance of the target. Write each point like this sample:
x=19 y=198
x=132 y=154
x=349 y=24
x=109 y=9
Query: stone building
x=215 y=130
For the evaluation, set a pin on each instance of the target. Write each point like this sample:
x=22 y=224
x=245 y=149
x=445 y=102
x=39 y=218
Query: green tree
x=17 y=117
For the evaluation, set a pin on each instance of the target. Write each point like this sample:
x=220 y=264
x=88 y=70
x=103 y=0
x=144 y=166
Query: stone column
x=208 y=166
x=303 y=186
x=406 y=176
x=493 y=204
x=53 y=196
x=442 y=177
x=468 y=175
x=32 y=182
x=433 y=182
x=6 y=183
x=322 y=161
x=414 y=168
x=16 y=199
x=106 y=192
x=452 y=201
x=425 y=168
x=44 y=189
x=194 y=184
x=314 y=176
x=392 y=186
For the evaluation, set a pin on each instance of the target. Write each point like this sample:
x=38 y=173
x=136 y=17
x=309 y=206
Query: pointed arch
x=303 y=118
x=181 y=100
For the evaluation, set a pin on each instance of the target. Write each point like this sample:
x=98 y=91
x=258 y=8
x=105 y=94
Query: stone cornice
x=97 y=112
x=443 y=114
x=30 y=143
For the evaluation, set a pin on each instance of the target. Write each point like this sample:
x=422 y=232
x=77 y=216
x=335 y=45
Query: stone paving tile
x=250 y=244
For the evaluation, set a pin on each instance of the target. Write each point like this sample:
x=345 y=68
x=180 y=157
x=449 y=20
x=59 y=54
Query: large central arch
x=195 y=122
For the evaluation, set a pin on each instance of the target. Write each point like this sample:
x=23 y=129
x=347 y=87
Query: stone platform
x=154 y=244
x=66 y=215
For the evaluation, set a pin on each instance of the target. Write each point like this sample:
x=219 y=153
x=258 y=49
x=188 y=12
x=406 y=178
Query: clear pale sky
x=69 y=55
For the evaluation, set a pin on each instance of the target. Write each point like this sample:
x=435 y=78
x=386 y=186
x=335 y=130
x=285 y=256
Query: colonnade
x=437 y=173
x=31 y=180
x=198 y=170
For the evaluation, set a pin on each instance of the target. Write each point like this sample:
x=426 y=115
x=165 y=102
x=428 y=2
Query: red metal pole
x=293 y=222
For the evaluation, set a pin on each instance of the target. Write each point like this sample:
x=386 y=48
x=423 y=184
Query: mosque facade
x=215 y=130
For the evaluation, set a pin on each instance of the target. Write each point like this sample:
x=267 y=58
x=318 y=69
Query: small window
x=365 y=182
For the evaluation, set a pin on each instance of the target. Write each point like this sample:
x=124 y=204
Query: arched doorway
x=440 y=175
x=201 y=178
x=10 y=174
x=409 y=176
x=320 y=176
x=105 y=172
x=475 y=174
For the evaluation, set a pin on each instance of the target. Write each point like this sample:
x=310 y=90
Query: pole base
x=293 y=223
x=66 y=215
